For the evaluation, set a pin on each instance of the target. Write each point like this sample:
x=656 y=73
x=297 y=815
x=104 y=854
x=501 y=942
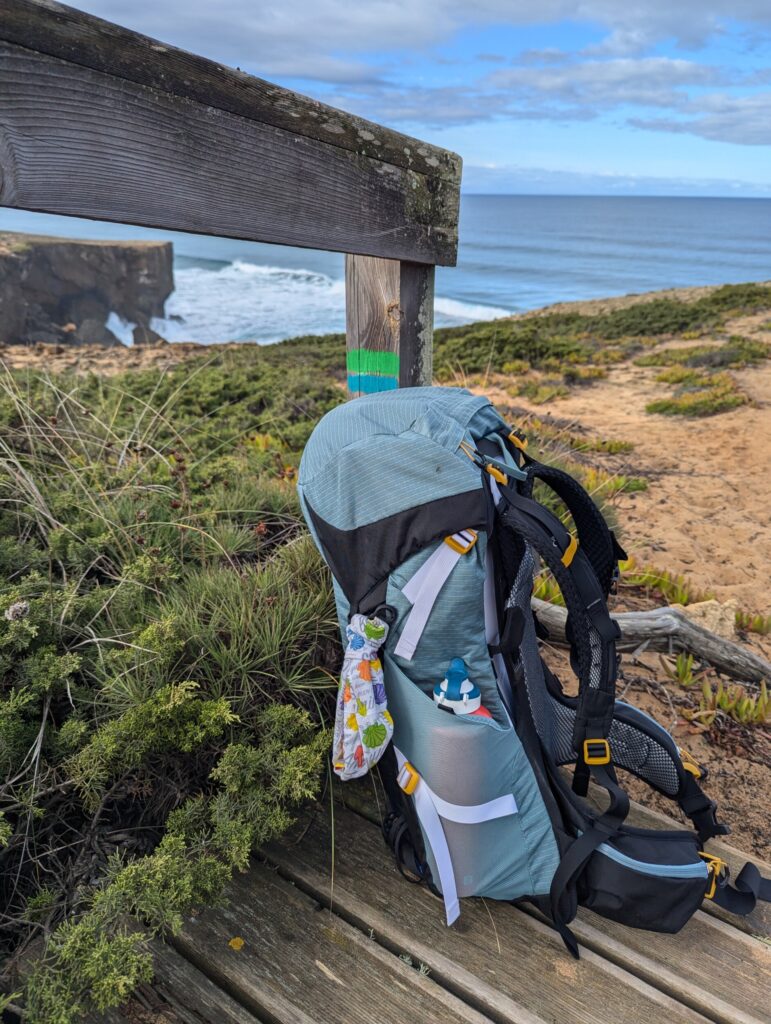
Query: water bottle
x=458 y=694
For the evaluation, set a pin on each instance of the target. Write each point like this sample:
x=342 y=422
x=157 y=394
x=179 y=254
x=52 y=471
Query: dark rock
x=67 y=289
x=93 y=332
x=147 y=336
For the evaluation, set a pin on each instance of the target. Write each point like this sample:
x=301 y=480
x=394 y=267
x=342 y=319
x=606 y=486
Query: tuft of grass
x=700 y=401
x=602 y=338
x=751 y=622
x=583 y=374
x=539 y=392
x=733 y=701
x=600 y=483
x=167 y=633
x=672 y=587
x=682 y=669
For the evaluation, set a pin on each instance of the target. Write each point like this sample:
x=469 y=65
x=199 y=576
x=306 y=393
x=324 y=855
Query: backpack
x=421 y=502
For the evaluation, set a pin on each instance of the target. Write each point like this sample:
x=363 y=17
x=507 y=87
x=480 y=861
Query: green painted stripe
x=371 y=361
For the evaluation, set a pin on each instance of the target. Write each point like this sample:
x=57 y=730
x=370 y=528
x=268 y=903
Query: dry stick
x=663 y=627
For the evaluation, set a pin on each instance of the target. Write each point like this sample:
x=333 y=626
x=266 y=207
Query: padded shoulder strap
x=591 y=630
x=597 y=540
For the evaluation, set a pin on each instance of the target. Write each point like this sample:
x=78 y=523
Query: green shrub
x=580 y=338
x=735 y=352
x=167 y=634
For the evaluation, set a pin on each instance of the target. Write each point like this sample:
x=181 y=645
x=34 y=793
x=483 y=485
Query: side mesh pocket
x=469 y=763
x=651 y=880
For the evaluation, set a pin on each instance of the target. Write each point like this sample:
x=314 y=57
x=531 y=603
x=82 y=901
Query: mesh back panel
x=632 y=748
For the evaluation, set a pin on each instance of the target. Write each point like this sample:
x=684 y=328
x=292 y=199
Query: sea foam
x=242 y=301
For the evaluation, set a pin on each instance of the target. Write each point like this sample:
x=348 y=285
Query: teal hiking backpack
x=421 y=502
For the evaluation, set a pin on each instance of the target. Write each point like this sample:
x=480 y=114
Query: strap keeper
x=690 y=764
x=596 y=752
x=497 y=475
x=518 y=439
x=570 y=551
x=462 y=542
x=408 y=778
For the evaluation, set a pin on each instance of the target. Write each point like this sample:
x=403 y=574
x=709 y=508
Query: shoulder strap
x=591 y=631
x=592 y=634
x=595 y=537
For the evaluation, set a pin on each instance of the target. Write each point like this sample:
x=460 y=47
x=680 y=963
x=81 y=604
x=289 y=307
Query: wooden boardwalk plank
x=179 y=994
x=494 y=956
x=709 y=965
x=300 y=964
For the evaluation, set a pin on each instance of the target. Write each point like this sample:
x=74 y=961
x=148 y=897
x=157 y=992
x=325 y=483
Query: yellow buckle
x=596 y=758
x=570 y=552
x=690 y=764
x=408 y=778
x=456 y=545
x=518 y=441
x=496 y=474
x=716 y=866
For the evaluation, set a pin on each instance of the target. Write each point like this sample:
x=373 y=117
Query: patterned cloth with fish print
x=363 y=725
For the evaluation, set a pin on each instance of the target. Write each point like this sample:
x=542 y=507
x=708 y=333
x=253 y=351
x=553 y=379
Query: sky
x=620 y=97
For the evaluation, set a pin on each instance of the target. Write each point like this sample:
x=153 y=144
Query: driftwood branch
x=666 y=629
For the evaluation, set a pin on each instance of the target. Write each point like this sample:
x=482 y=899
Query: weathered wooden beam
x=389 y=323
x=80 y=38
x=75 y=141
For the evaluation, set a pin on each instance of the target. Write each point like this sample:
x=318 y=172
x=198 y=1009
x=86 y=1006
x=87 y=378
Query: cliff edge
x=62 y=291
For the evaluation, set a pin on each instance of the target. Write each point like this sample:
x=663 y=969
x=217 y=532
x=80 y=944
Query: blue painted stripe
x=698 y=869
x=370 y=383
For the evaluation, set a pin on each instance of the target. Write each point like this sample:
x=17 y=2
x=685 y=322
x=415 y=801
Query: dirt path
x=707 y=510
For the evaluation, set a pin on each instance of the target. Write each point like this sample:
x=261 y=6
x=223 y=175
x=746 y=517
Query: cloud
x=375 y=57
x=745 y=120
x=570 y=92
x=267 y=35
x=648 y=81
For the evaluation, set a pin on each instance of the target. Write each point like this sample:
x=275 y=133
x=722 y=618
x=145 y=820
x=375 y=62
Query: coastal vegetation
x=550 y=353
x=168 y=639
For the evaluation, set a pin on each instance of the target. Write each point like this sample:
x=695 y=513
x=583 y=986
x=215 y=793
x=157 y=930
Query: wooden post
x=416 y=301
x=389 y=323
x=372 y=321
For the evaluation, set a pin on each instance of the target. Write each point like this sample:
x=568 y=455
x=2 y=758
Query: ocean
x=516 y=253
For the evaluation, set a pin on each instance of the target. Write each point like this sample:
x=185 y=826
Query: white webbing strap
x=422 y=590
x=430 y=809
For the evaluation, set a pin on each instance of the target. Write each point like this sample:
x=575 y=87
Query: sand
x=707 y=510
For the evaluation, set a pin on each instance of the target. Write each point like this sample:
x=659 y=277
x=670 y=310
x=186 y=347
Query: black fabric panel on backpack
x=596 y=539
x=658 y=903
x=362 y=559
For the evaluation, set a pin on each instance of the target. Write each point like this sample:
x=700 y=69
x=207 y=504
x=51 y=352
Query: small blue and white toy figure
x=456 y=692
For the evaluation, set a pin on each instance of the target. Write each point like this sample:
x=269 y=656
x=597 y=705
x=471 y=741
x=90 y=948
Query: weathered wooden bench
x=99 y=122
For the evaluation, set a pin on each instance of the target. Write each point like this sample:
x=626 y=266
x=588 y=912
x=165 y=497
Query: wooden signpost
x=97 y=121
